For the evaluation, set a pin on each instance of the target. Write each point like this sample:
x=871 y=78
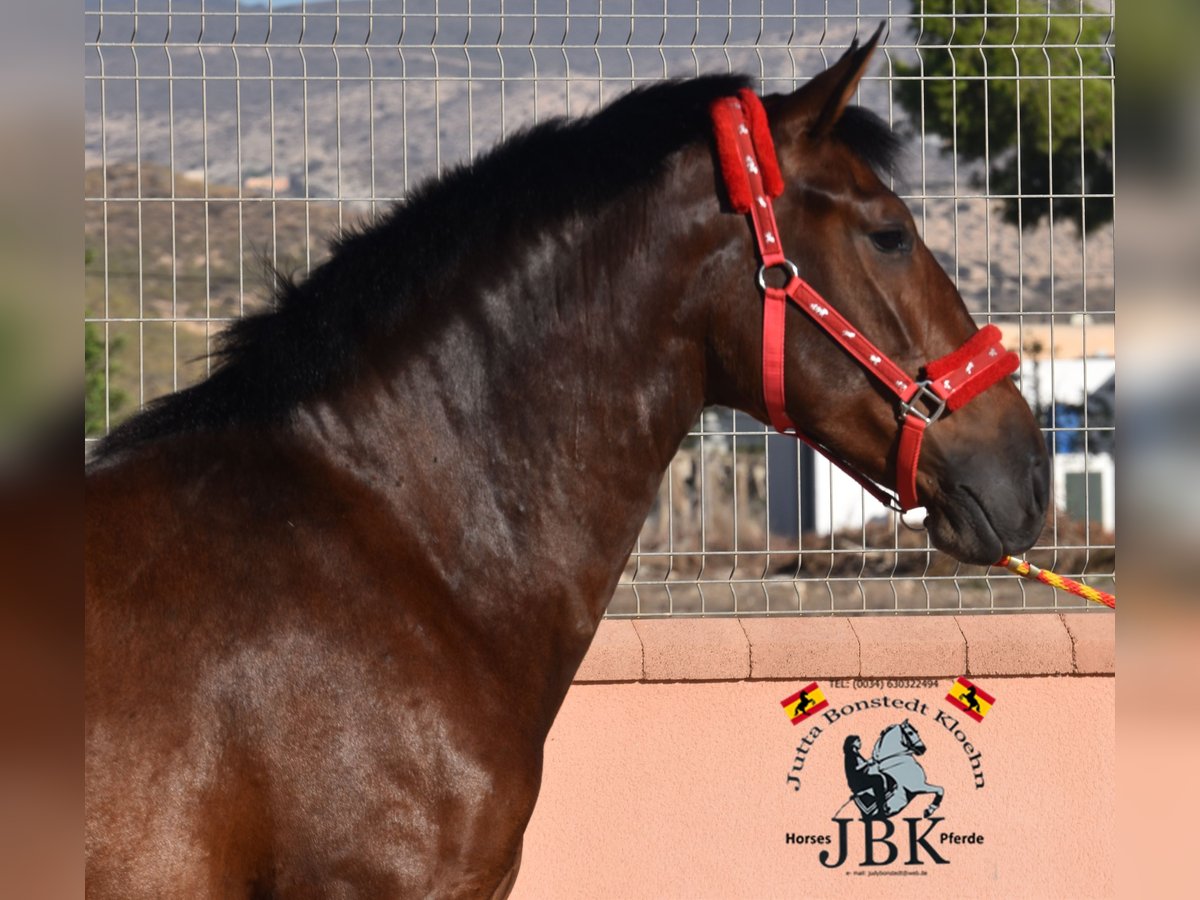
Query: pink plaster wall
x=679 y=789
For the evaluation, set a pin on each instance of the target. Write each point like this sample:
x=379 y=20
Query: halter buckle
x=935 y=401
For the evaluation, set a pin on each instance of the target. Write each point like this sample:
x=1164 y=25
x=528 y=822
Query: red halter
x=751 y=175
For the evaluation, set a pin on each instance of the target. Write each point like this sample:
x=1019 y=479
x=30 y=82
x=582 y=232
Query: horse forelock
x=870 y=138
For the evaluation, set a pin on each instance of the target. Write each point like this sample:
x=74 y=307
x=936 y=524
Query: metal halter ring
x=787 y=264
x=938 y=403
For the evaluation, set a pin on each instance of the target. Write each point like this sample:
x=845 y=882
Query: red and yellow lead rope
x=1029 y=570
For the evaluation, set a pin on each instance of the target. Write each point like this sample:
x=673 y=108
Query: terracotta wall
x=667 y=772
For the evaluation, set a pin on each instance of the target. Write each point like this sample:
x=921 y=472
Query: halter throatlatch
x=751 y=175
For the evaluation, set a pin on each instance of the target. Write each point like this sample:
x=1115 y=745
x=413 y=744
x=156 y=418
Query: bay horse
x=336 y=593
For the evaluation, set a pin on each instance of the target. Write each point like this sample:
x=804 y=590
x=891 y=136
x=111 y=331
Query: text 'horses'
x=336 y=593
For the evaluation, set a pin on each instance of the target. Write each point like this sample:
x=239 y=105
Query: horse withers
x=337 y=592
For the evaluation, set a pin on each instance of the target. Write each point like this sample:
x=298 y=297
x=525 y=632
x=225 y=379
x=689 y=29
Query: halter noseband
x=751 y=175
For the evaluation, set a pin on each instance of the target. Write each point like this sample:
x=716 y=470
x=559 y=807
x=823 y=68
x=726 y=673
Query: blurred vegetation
x=1028 y=93
x=1159 y=86
x=12 y=364
x=96 y=381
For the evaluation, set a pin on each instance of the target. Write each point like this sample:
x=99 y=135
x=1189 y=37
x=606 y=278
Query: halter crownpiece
x=750 y=172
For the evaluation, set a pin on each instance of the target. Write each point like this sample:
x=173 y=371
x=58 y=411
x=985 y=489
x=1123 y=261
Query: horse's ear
x=817 y=106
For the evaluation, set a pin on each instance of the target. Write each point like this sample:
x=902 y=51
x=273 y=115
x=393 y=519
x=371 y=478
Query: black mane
x=871 y=138
x=270 y=362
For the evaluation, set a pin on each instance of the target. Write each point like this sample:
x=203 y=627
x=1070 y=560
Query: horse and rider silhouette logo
x=884 y=784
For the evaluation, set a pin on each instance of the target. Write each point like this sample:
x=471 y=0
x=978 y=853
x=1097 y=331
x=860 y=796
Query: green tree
x=95 y=381
x=1025 y=85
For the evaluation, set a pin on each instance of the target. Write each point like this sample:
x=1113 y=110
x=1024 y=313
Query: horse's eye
x=891 y=240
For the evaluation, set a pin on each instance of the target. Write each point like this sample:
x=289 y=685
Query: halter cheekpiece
x=751 y=176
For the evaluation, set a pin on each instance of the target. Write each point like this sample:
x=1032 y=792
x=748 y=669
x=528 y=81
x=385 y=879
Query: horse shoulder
x=295 y=659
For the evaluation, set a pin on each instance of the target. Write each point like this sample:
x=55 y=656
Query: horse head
x=910 y=739
x=895 y=740
x=983 y=471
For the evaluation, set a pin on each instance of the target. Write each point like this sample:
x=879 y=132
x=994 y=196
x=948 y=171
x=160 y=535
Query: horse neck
x=519 y=436
x=889 y=742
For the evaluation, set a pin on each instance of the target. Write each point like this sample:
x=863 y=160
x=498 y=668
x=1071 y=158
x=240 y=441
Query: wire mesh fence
x=223 y=135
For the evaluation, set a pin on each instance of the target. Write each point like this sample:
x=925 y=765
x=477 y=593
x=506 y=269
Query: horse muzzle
x=993 y=506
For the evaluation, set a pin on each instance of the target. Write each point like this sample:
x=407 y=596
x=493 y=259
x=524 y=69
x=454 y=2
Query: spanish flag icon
x=804 y=703
x=974 y=701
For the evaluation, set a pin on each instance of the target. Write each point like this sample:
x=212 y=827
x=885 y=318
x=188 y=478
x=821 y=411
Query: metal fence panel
x=222 y=133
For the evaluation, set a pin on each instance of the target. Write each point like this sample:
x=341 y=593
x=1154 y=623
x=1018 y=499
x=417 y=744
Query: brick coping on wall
x=762 y=648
